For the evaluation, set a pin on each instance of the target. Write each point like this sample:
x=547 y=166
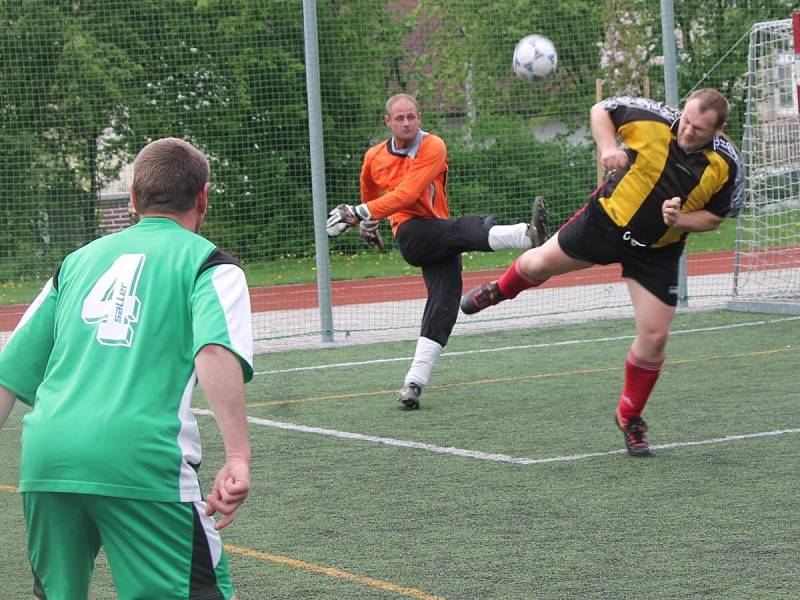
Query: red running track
x=411 y=287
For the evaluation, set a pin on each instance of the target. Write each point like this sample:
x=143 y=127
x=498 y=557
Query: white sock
x=508 y=237
x=425 y=357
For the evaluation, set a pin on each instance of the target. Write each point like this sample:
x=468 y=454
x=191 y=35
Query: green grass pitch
x=398 y=511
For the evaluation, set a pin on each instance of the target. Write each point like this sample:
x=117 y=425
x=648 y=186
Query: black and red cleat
x=481 y=297
x=635 y=431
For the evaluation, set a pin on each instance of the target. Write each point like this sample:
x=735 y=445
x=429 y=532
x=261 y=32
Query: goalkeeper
x=675 y=174
x=405 y=179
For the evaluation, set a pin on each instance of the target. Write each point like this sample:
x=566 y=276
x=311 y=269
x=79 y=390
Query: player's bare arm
x=7 y=399
x=220 y=375
x=699 y=220
x=605 y=135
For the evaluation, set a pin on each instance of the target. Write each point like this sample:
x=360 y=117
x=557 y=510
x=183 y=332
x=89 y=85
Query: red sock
x=640 y=377
x=513 y=281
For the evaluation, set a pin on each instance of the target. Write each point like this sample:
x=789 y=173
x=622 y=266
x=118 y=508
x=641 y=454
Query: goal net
x=767 y=267
x=84 y=85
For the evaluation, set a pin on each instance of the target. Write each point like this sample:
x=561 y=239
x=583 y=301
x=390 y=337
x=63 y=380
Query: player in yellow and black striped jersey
x=709 y=177
x=669 y=173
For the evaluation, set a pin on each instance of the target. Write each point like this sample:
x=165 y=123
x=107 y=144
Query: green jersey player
x=107 y=357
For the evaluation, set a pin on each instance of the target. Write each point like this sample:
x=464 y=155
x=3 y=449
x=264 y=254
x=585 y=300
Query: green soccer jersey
x=105 y=356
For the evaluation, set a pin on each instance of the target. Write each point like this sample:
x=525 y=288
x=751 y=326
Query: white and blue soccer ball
x=535 y=57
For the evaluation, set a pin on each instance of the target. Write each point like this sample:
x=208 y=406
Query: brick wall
x=115 y=213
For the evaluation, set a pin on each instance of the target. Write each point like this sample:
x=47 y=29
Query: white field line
x=476 y=454
x=524 y=347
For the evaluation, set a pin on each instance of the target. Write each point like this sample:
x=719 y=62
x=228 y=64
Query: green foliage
x=93 y=82
x=506 y=172
x=475 y=40
x=86 y=84
x=707 y=39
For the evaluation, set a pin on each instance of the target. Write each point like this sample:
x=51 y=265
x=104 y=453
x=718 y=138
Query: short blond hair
x=168 y=176
x=390 y=102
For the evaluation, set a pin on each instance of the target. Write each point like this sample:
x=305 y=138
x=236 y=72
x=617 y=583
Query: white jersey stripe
x=231 y=288
x=189 y=443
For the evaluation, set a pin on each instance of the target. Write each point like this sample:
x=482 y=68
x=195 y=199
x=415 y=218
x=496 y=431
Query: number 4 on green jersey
x=112 y=303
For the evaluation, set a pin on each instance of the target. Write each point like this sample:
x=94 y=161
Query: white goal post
x=767 y=267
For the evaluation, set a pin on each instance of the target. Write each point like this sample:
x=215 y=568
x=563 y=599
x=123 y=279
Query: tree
x=712 y=40
x=628 y=46
x=86 y=84
x=62 y=87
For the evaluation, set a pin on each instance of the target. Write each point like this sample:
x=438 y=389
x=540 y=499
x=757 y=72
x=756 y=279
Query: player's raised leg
x=531 y=269
x=521 y=236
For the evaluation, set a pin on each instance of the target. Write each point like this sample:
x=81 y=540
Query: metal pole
x=670 y=53
x=671 y=93
x=317 y=152
x=598 y=96
x=796 y=38
x=747 y=149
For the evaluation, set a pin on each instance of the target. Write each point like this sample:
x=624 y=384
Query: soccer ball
x=535 y=57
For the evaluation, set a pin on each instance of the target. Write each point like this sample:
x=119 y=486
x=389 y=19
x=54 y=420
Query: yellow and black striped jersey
x=401 y=183
x=710 y=178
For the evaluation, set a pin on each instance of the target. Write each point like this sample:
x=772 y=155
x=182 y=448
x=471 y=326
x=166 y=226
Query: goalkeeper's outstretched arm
x=345 y=216
x=7 y=399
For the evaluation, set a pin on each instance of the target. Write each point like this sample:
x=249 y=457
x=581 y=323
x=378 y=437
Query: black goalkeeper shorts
x=594 y=238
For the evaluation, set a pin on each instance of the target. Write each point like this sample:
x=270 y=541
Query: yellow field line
x=8 y=489
x=330 y=397
x=332 y=572
x=607 y=369
x=517 y=378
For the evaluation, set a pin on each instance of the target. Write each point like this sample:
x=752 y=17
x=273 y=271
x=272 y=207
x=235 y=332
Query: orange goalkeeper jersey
x=401 y=183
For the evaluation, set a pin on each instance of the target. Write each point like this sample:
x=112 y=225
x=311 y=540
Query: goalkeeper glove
x=368 y=230
x=344 y=216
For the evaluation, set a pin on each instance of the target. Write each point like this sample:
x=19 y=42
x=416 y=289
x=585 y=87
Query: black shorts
x=436 y=245
x=426 y=241
x=591 y=236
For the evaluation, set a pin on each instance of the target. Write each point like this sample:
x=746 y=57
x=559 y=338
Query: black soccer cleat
x=635 y=431
x=481 y=297
x=537 y=230
x=409 y=396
